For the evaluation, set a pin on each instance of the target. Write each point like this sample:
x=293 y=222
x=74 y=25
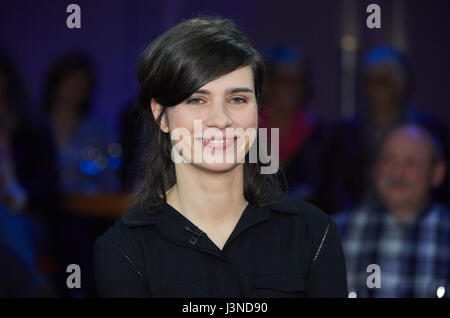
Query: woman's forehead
x=239 y=78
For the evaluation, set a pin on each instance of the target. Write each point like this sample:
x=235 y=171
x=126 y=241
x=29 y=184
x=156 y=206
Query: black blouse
x=289 y=249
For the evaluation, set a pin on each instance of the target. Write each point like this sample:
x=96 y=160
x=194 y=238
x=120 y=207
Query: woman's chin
x=217 y=167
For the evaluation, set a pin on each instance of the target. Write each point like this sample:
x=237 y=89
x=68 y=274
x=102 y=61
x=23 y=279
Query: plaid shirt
x=414 y=257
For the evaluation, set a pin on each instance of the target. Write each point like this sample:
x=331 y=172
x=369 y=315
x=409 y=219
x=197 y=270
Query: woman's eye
x=195 y=101
x=238 y=100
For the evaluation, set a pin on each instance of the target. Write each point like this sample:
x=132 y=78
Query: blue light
x=89 y=167
x=384 y=54
x=113 y=163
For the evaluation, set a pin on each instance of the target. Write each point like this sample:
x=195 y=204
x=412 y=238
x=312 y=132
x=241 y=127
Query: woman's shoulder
x=318 y=231
x=308 y=219
x=119 y=242
x=123 y=231
x=116 y=237
x=305 y=211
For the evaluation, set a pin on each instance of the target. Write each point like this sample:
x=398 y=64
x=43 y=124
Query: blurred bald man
x=402 y=228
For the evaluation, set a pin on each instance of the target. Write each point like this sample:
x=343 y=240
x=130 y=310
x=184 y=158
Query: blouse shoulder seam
x=129 y=259
x=321 y=243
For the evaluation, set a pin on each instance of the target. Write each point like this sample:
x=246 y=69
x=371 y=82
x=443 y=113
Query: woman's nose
x=218 y=117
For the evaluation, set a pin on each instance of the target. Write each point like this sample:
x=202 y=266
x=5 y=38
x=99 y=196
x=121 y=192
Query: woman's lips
x=218 y=143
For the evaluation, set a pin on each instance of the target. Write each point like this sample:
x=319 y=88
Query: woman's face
x=226 y=111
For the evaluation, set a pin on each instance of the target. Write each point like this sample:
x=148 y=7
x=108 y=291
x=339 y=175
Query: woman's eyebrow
x=232 y=90
x=239 y=90
x=202 y=91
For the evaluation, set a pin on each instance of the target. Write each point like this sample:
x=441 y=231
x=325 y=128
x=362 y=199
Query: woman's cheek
x=249 y=119
x=184 y=119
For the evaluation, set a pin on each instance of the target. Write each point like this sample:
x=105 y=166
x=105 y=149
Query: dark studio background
x=113 y=33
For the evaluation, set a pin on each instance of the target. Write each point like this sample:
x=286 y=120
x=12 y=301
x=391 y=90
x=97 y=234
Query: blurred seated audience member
x=403 y=228
x=87 y=162
x=286 y=96
x=135 y=136
x=387 y=86
x=28 y=181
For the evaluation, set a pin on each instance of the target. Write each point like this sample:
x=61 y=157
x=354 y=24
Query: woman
x=209 y=228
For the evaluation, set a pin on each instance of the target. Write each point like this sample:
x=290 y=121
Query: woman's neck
x=208 y=198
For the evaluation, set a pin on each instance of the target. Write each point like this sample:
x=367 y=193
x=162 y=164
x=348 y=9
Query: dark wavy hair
x=171 y=68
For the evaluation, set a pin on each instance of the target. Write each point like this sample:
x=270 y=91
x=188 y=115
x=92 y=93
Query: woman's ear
x=156 y=110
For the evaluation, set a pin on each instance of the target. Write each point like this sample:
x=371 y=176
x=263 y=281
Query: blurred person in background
x=87 y=163
x=81 y=138
x=402 y=228
x=387 y=86
x=286 y=96
x=28 y=195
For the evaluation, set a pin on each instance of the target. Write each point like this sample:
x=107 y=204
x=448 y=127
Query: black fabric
x=289 y=249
